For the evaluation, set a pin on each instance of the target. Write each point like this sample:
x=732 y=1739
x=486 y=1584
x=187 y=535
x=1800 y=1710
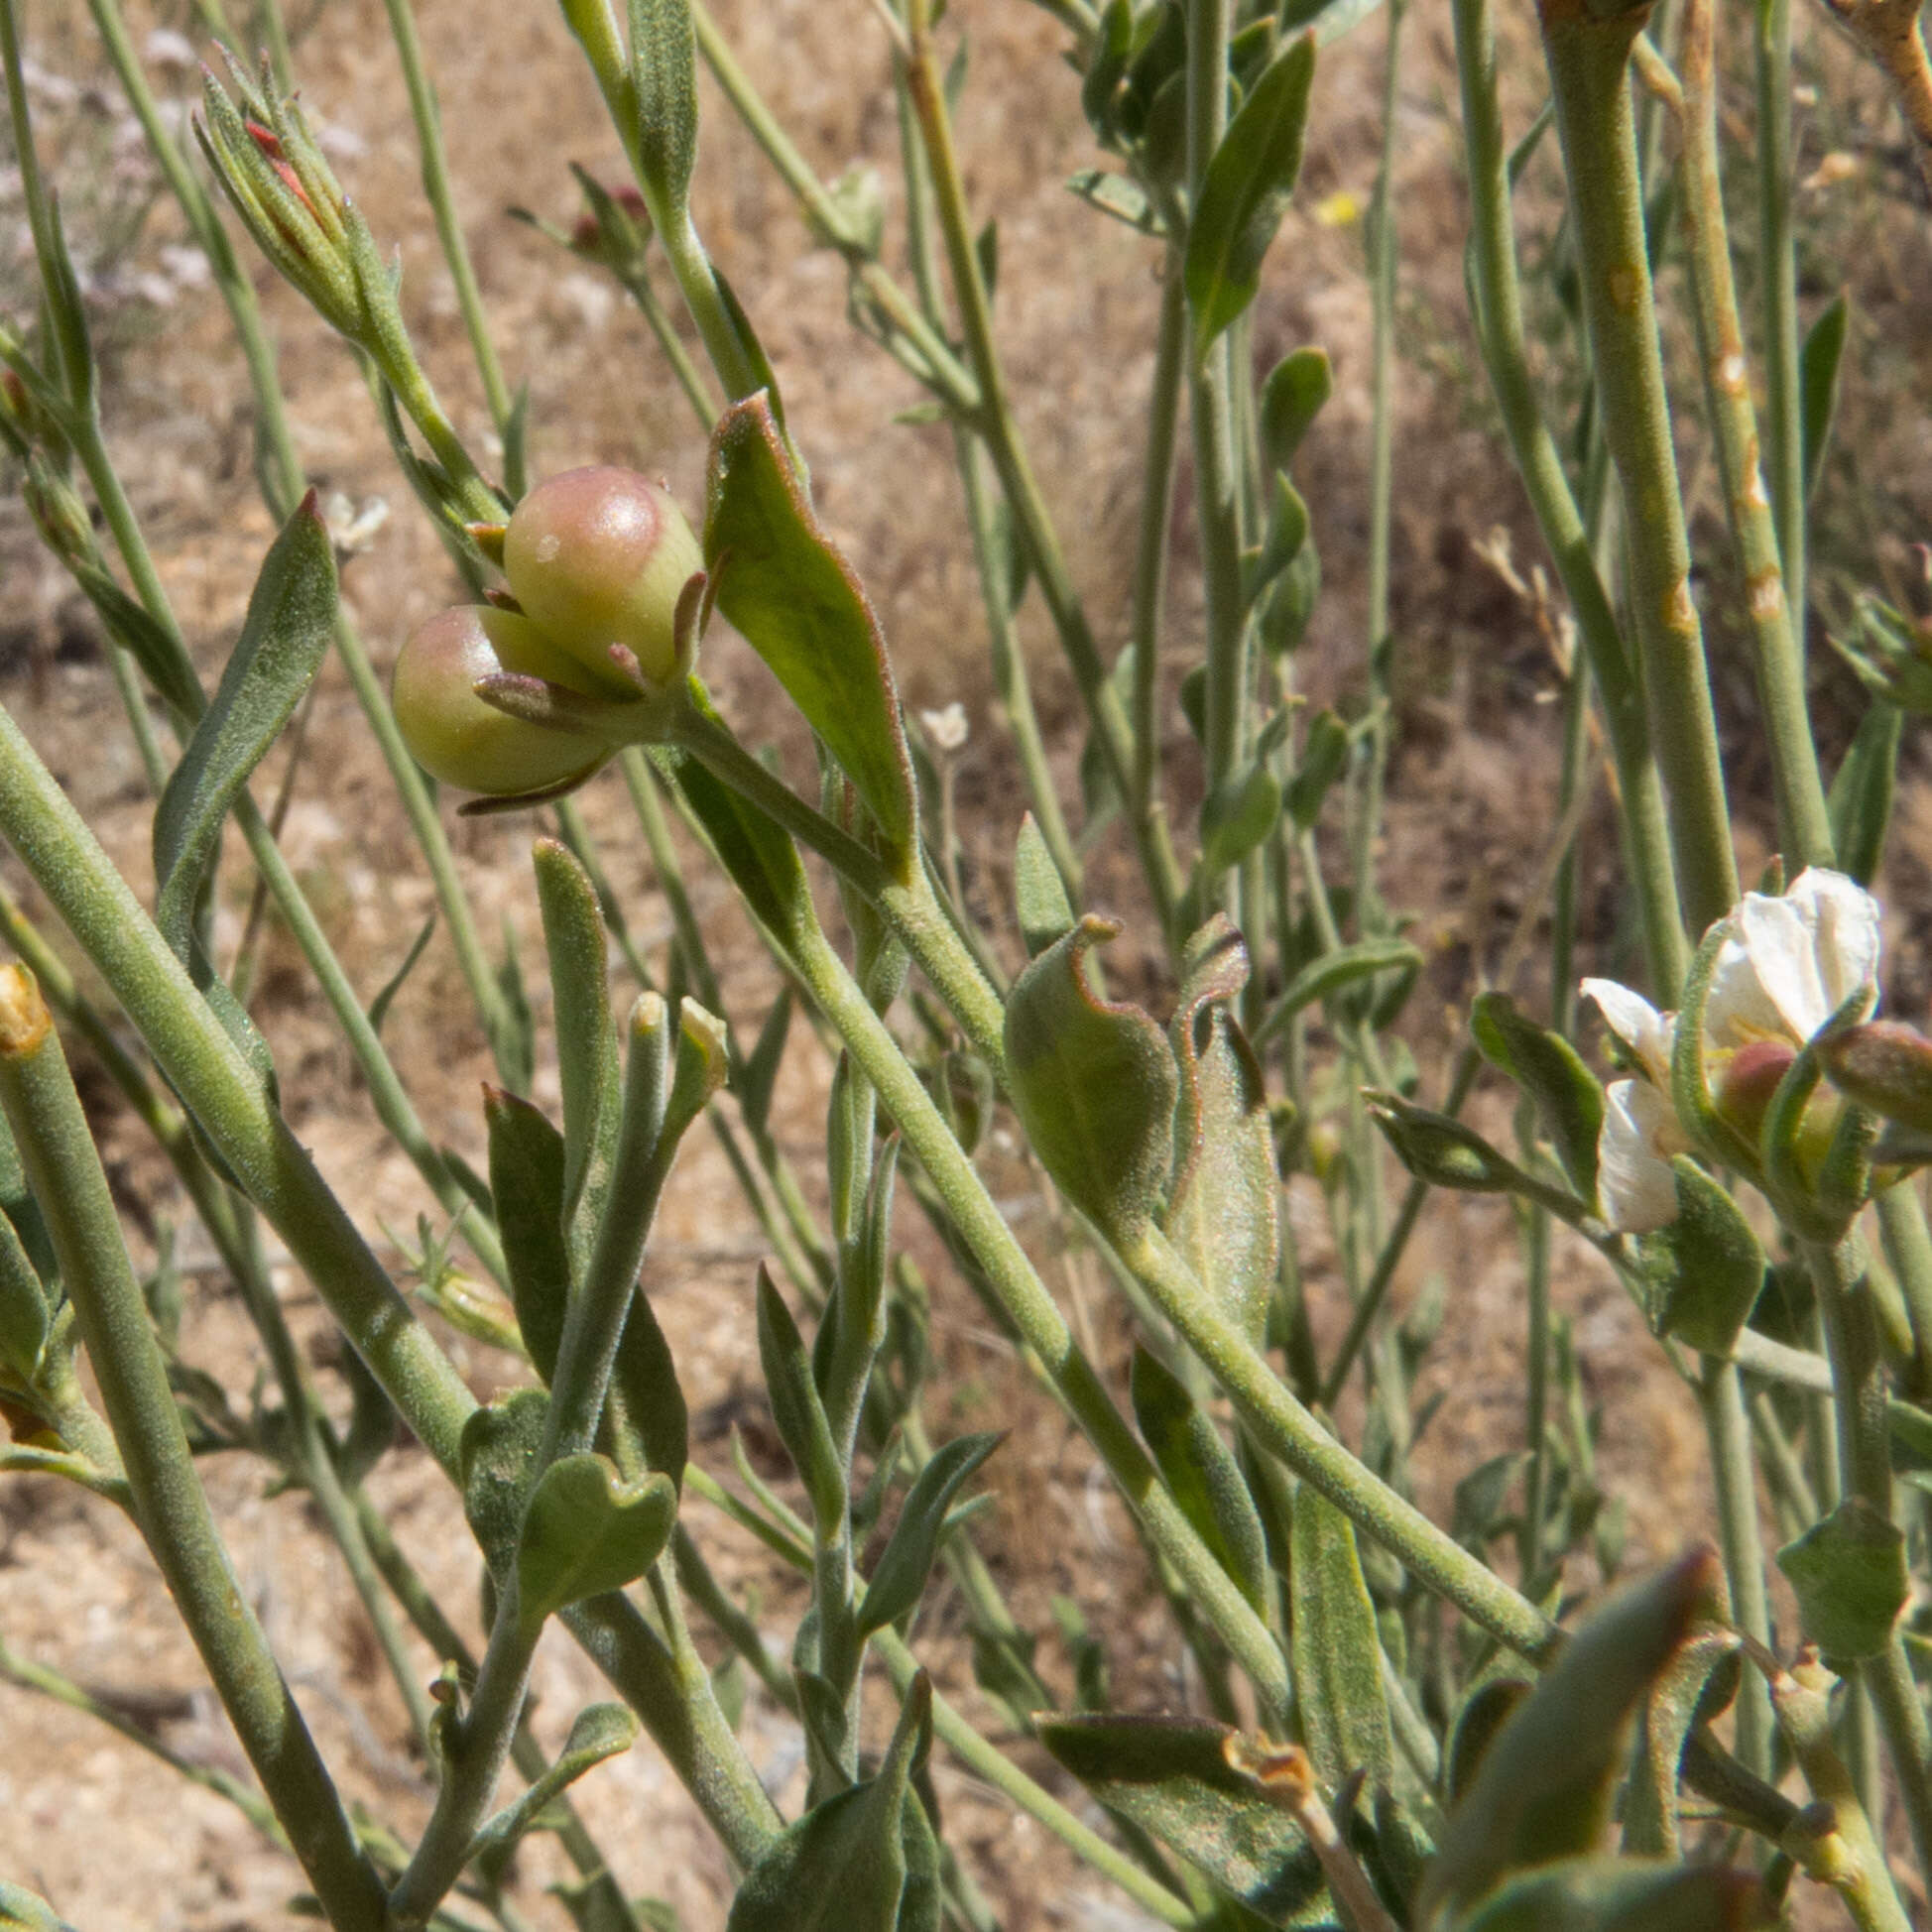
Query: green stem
x=1024 y=1295
x=435 y=186
x=1804 y=824
x=1493 y=275
x=1285 y=1429
x=1859 y=1382
x=65 y=1171
x=1778 y=265
x=1726 y=1429
x=1589 y=63
x=1908 y=1247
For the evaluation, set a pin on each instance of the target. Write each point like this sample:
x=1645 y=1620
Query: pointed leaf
x=526 y=1166
x=798 y=603
x=755 y=1084
x=1851 y=1578
x=758 y=854
x=1094 y=1084
x=1333 y=973
x=1818 y=365
x=1245 y=191
x=1222 y=1208
x=898 y=1580
x=1605 y=1894
x=586 y=1530
x=1862 y=790
x=651 y=1400
x=1040 y=893
x=1172 y=1776
x=1568 y=1097
x=1324 y=753
x=1335 y=1647
x=1202 y=1474
x=603 y=1731
x=796 y=1405
x=379 y=1006
x=1544 y=1788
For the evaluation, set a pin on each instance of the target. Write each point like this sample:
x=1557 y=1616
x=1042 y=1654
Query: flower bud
x=1884 y=1065
x=599 y=556
x=1745 y=1086
x=462 y=739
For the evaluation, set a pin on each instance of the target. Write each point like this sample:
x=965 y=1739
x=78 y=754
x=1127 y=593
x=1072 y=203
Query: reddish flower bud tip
x=1745 y=1086
x=266 y=138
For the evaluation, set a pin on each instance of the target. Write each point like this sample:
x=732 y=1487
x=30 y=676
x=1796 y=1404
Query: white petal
x=1646 y=1032
x=1634 y=1180
x=1737 y=1009
x=1846 y=921
x=1782 y=944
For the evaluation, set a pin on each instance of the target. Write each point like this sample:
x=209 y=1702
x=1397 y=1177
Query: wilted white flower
x=352 y=530
x=1787 y=963
x=165 y=48
x=947 y=728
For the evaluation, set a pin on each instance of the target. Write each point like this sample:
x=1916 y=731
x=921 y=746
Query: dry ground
x=120 y=1844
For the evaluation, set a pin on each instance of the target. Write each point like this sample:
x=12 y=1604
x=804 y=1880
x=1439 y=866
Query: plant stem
x=64 y=1169
x=1499 y=328
x=1589 y=63
x=1024 y=1298
x=1285 y=1429
x=1859 y=1382
x=1778 y=268
x=1726 y=1430
x=1804 y=825
x=435 y=187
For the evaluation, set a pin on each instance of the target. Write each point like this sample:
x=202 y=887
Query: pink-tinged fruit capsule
x=458 y=737
x=599 y=556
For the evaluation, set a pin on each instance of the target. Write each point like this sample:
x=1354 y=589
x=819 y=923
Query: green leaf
x=497 y=1458
x=1171 y=1777
x=586 y=1531
x=1281 y=543
x=756 y=854
x=23 y=1911
x=24 y=1312
x=899 y=1579
x=1288 y=604
x=1706 y=1268
x=760 y=1077
x=1850 y=1576
x=1441 y=1150
x=1544 y=1792
x=795 y=600
x=1568 y=1097
x=1292 y=398
x=663 y=72
x=1485 y=1710
x=1106 y=66
x=1094 y=1085
x=1202 y=1475
x=1333 y=973
x=1324 y=756
x=1335 y=1647
x=379 y=1006
x=603 y=1731
x=586 y=1036
x=1817 y=366
x=1238 y=814
x=1248 y=180
x=1222 y=1208
x=797 y=1409
x=527 y=1184
x=1040 y=893
x=1613 y=1894
x=864 y=1861
x=1118 y=195
x=1862 y=790
x=650 y=1406
x=1698 y=1685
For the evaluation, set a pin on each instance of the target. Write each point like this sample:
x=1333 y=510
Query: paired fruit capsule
x=596 y=557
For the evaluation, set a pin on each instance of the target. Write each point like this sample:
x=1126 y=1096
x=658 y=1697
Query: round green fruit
x=599 y=556
x=459 y=738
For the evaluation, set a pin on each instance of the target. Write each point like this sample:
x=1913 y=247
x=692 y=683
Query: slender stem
x=1024 y=1298
x=1776 y=623
x=1858 y=1382
x=1778 y=267
x=1734 y=1472
x=1499 y=327
x=65 y=1171
x=1150 y=544
x=435 y=186
x=1908 y=1247
x=1589 y=63
x=1285 y=1429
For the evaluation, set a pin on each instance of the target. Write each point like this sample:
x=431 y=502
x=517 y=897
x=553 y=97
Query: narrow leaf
x=663 y=72
x=796 y=1405
x=603 y=1731
x=1331 y=974
x=1568 y=1097
x=526 y=1166
x=379 y=1006
x=1335 y=1647
x=898 y=1580
x=1040 y=893
x=1862 y=790
x=1245 y=192
x=1818 y=367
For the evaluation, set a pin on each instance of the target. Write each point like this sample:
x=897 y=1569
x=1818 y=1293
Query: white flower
x=1787 y=963
x=948 y=728
x=167 y=49
x=1639 y=1134
x=352 y=528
